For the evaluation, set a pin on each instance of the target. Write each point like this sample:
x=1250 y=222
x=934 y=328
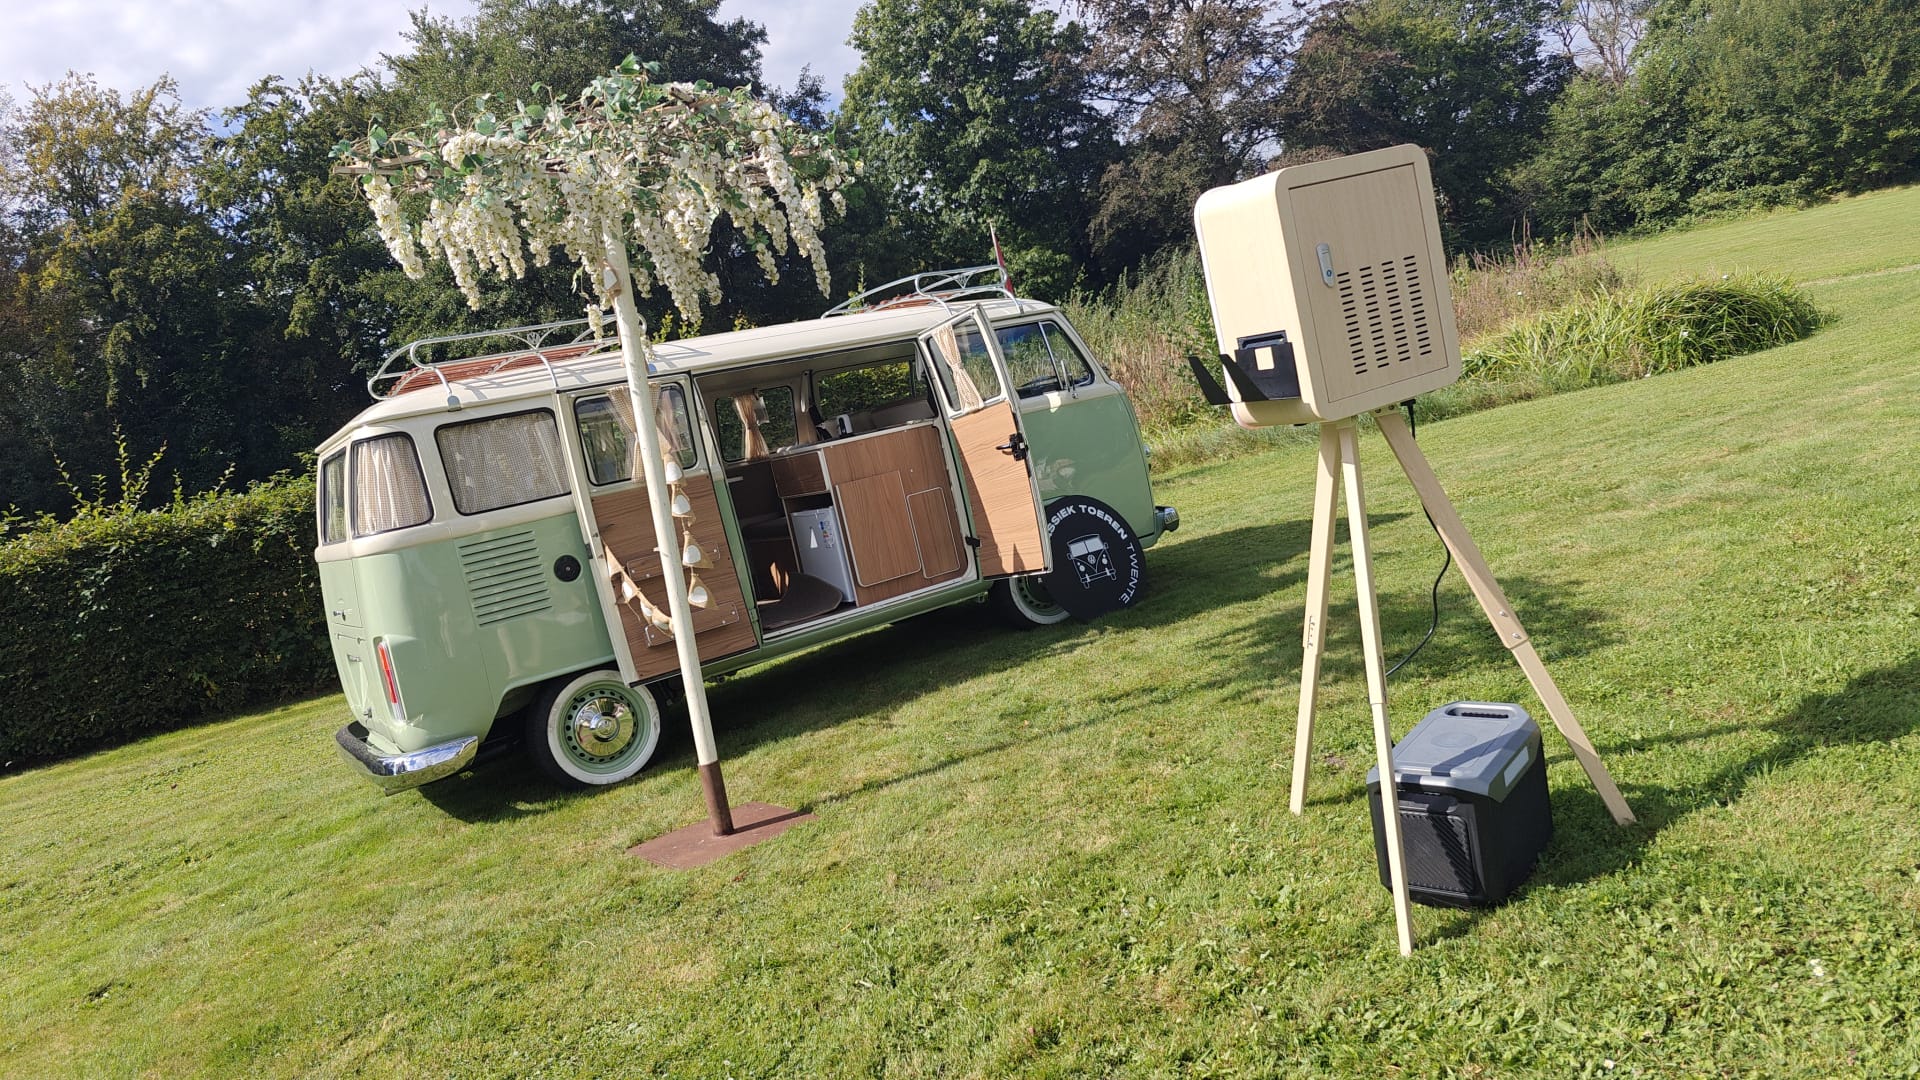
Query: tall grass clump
x=1492 y=290
x=1641 y=332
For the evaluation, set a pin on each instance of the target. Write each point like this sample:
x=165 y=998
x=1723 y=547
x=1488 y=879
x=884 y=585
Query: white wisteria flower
x=654 y=164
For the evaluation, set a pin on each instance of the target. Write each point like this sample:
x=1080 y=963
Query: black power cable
x=1434 y=624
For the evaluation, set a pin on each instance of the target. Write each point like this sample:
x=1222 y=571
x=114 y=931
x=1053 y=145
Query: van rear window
x=389 y=491
x=333 y=498
x=503 y=461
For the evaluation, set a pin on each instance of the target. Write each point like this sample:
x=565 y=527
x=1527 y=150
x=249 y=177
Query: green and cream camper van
x=935 y=442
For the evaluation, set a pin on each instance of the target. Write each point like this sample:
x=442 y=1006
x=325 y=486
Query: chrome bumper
x=1167 y=518
x=402 y=771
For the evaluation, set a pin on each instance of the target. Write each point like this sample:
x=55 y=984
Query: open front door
x=974 y=389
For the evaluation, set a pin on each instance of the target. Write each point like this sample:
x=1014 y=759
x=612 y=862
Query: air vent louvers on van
x=505 y=576
x=1385 y=311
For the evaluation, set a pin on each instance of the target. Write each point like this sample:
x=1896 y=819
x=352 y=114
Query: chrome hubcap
x=600 y=726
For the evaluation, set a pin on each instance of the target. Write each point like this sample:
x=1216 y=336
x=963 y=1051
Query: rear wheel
x=592 y=729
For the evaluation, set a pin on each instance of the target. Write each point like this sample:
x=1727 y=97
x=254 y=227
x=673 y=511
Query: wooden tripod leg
x=1349 y=449
x=1326 y=507
x=1499 y=612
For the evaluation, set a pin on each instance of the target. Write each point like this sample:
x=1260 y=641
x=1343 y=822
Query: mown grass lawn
x=1067 y=852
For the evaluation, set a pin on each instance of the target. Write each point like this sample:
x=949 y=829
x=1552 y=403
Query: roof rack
x=419 y=370
x=940 y=287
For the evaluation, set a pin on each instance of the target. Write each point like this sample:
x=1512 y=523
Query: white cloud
x=802 y=33
x=216 y=49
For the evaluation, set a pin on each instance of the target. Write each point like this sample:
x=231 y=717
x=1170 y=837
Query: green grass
x=1868 y=234
x=1067 y=852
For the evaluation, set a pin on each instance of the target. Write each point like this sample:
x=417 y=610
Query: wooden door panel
x=1000 y=492
x=919 y=456
x=935 y=533
x=626 y=527
x=879 y=529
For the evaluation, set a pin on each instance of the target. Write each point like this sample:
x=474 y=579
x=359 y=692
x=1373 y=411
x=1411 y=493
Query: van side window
x=607 y=431
x=753 y=423
x=1072 y=361
x=389 y=490
x=1029 y=361
x=503 y=461
x=333 y=498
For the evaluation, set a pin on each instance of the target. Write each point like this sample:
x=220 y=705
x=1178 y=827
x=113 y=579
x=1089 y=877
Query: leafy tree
x=1469 y=80
x=1195 y=85
x=508 y=47
x=122 y=318
x=976 y=112
x=1600 y=36
x=1736 y=103
x=317 y=276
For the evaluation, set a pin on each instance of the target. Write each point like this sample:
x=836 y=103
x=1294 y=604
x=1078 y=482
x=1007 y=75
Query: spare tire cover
x=1098 y=565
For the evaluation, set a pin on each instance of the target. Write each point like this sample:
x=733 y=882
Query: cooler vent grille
x=504 y=577
x=1439 y=852
x=1385 y=309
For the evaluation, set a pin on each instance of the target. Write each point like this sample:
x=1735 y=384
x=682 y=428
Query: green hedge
x=118 y=624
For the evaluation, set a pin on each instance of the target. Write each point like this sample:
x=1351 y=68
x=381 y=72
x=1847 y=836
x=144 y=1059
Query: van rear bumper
x=399 y=772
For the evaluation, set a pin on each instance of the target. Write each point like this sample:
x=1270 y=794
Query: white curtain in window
x=966 y=395
x=388 y=490
x=505 y=461
x=668 y=420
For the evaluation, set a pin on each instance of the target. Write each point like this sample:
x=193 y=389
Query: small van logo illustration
x=1091 y=559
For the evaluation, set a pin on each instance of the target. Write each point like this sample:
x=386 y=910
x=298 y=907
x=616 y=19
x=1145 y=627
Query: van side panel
x=471 y=618
x=1089 y=445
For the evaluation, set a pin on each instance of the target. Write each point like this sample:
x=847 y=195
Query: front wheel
x=592 y=730
x=1024 y=602
x=1098 y=567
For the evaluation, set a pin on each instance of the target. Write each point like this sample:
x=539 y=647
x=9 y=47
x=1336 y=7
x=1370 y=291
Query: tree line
x=202 y=281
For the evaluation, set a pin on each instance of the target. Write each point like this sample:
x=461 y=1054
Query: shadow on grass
x=877 y=671
x=1880 y=706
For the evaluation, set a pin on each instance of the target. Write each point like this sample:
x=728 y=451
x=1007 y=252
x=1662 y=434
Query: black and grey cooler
x=1473 y=803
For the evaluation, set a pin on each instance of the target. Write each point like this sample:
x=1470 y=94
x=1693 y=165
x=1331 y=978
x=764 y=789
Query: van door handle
x=1014 y=445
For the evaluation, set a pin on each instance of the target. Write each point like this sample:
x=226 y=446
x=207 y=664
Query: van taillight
x=386 y=676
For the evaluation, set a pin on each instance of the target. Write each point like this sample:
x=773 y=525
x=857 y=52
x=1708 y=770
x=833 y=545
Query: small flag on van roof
x=1006 y=279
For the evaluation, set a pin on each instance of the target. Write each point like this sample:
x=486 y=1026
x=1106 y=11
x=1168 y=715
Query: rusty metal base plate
x=695 y=845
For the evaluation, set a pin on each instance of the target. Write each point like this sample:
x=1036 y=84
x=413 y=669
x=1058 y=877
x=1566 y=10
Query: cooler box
x=1473 y=804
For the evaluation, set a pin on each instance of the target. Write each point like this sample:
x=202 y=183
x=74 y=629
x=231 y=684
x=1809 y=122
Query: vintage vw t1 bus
x=949 y=444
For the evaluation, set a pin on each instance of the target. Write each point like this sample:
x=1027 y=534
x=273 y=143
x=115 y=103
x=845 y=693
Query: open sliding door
x=612 y=503
x=974 y=389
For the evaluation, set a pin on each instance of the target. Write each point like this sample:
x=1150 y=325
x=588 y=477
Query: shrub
x=124 y=621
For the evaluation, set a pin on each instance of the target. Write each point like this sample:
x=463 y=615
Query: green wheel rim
x=1031 y=593
x=601 y=728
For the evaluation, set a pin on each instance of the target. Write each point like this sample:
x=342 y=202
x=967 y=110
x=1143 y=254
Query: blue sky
x=218 y=48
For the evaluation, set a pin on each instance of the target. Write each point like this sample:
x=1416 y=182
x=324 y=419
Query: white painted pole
x=633 y=350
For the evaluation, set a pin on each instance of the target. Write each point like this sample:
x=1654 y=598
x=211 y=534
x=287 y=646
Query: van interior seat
x=905 y=412
x=756 y=502
x=806 y=597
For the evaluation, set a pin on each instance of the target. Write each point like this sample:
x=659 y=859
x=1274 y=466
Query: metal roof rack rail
x=396 y=377
x=942 y=287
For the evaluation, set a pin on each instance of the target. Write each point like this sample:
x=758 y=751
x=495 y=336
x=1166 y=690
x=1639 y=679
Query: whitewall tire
x=592 y=729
